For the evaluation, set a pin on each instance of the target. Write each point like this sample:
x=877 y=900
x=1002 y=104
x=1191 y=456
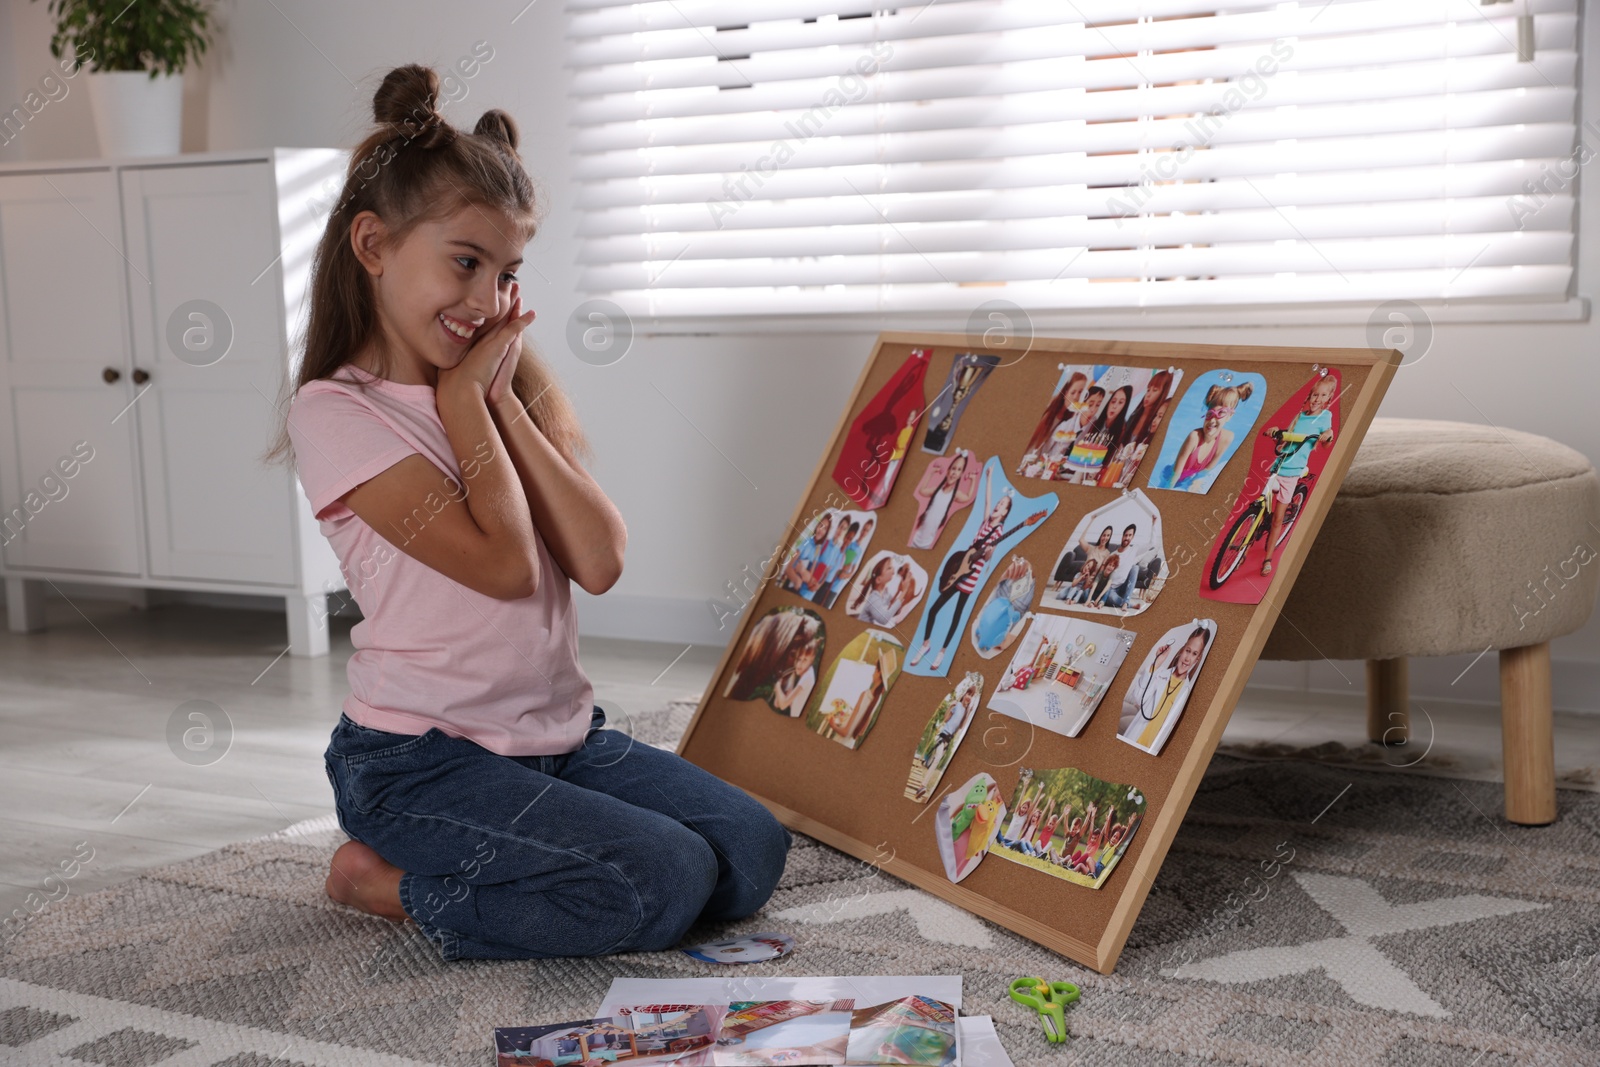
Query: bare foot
x=361 y=878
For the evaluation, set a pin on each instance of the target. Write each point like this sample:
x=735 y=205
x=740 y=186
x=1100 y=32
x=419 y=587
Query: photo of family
x=948 y=485
x=1061 y=672
x=632 y=1036
x=968 y=371
x=965 y=824
x=826 y=555
x=854 y=687
x=942 y=736
x=1157 y=695
x=1069 y=824
x=1288 y=455
x=779 y=660
x=1114 y=562
x=1099 y=423
x=1207 y=427
x=887 y=587
x=1000 y=521
x=874 y=447
x=1001 y=619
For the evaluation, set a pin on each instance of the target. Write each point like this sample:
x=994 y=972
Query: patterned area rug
x=1341 y=915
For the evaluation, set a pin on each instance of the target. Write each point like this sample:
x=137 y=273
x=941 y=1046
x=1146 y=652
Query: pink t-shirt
x=429 y=651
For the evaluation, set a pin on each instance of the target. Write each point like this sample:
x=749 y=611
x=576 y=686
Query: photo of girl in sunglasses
x=1213 y=418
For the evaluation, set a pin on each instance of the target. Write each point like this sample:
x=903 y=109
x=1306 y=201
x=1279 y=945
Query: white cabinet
x=146 y=312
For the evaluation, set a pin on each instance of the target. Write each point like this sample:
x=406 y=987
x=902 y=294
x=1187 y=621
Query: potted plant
x=135 y=53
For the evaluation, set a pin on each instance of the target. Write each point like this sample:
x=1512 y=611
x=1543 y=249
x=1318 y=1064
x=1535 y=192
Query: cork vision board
x=1016 y=604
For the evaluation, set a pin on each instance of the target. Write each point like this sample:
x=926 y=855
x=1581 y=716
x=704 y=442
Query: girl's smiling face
x=1190 y=654
x=439 y=286
x=1001 y=509
x=1321 y=396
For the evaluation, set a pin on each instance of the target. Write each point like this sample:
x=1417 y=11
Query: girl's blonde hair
x=415 y=167
x=1228 y=396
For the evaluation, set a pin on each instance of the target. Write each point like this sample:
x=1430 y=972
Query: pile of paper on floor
x=912 y=1021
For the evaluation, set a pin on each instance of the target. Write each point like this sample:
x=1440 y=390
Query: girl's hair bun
x=407 y=102
x=498 y=125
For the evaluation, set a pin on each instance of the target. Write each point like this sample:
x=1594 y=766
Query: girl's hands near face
x=492 y=357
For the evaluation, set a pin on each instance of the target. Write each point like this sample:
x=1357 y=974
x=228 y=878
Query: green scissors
x=1047 y=998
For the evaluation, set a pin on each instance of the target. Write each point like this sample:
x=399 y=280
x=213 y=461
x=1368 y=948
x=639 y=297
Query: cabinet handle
x=140 y=376
x=111 y=374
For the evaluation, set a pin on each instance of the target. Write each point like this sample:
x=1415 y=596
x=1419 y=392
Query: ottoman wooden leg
x=1388 y=712
x=1527 y=746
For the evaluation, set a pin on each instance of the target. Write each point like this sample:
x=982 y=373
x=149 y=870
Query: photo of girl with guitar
x=964 y=568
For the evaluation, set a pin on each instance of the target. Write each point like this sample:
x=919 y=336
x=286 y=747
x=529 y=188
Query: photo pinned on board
x=779 y=660
x=942 y=736
x=1207 y=427
x=874 y=447
x=1004 y=615
x=1070 y=824
x=1160 y=690
x=965 y=824
x=886 y=588
x=1004 y=521
x=1114 y=563
x=854 y=687
x=968 y=371
x=1099 y=424
x=1287 y=457
x=948 y=485
x=1061 y=672
x=827 y=553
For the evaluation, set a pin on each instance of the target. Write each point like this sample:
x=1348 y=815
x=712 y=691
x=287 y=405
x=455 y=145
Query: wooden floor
x=87 y=707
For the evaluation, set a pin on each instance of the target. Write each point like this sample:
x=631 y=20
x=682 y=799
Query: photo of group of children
x=826 y=555
x=886 y=589
x=1060 y=673
x=942 y=736
x=1070 y=824
x=1098 y=424
x=854 y=687
x=1114 y=563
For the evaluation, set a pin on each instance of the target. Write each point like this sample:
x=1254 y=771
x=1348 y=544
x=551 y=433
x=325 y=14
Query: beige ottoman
x=1450 y=538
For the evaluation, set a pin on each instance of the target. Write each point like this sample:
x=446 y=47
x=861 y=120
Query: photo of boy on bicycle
x=1311 y=428
x=1283 y=471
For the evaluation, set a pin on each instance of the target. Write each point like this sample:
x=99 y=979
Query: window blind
x=757 y=157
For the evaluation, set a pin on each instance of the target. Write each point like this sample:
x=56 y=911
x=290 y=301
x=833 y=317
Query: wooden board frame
x=1131 y=879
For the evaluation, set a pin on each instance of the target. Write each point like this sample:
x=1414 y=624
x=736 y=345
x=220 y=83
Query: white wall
x=302 y=72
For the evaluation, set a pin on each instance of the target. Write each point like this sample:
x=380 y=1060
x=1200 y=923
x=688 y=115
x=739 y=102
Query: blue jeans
x=616 y=847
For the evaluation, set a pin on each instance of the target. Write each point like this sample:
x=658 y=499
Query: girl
x=471 y=768
x=1063 y=404
x=1078 y=591
x=1208 y=443
x=1162 y=692
x=793 y=687
x=941 y=496
x=874 y=604
x=996 y=625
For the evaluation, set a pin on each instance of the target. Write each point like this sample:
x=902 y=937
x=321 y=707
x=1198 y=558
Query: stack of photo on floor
x=753 y=1022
